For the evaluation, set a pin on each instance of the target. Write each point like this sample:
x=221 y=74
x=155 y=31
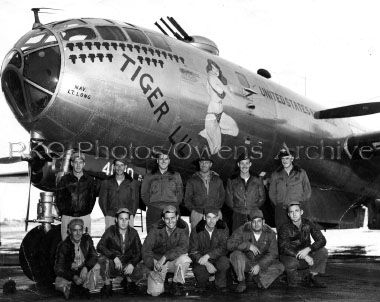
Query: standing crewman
x=204 y=190
x=119 y=191
x=244 y=192
x=76 y=194
x=161 y=188
x=288 y=183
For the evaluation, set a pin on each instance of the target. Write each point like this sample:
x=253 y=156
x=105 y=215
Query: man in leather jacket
x=166 y=246
x=120 y=249
x=75 y=258
x=208 y=250
x=161 y=188
x=244 y=192
x=296 y=250
x=288 y=183
x=254 y=251
x=204 y=190
x=119 y=191
x=76 y=194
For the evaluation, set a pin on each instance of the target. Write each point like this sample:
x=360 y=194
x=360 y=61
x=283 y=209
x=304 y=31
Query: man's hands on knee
x=309 y=260
x=83 y=273
x=254 y=249
x=160 y=263
x=118 y=264
x=204 y=259
x=303 y=253
x=78 y=280
x=255 y=270
x=128 y=270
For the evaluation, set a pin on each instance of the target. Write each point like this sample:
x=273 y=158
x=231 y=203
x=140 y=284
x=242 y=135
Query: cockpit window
x=242 y=79
x=159 y=41
x=111 y=33
x=35 y=39
x=136 y=36
x=43 y=67
x=13 y=58
x=68 y=24
x=78 y=34
x=38 y=99
x=12 y=88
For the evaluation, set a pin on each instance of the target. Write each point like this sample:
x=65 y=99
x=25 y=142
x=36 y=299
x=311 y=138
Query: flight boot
x=313 y=281
x=292 y=278
x=241 y=287
x=106 y=290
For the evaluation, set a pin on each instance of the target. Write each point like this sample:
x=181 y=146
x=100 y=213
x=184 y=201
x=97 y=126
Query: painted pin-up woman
x=217 y=122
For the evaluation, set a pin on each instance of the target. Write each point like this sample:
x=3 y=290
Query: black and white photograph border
x=327 y=51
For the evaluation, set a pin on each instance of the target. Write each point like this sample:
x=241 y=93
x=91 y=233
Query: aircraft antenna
x=180 y=29
x=171 y=30
x=36 y=18
x=36 y=10
x=161 y=29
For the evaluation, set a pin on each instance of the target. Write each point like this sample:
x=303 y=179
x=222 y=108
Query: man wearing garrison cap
x=75 y=258
x=120 y=249
x=254 y=251
x=208 y=250
x=244 y=192
x=160 y=188
x=203 y=189
x=76 y=194
x=289 y=182
x=166 y=246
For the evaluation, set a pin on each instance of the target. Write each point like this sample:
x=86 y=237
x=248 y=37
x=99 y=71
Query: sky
x=327 y=50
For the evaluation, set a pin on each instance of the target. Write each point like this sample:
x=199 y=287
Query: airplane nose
x=30 y=73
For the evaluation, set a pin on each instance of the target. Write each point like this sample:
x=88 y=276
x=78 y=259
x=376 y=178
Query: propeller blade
x=10 y=160
x=349 y=111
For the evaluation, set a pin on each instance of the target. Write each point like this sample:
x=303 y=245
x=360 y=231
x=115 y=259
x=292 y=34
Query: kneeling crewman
x=208 y=250
x=254 y=251
x=75 y=258
x=165 y=248
x=297 y=251
x=120 y=249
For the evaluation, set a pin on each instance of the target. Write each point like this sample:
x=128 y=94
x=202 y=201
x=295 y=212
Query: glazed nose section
x=30 y=73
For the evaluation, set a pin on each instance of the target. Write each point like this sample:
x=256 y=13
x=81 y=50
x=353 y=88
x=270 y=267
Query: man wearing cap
x=119 y=191
x=75 y=258
x=297 y=251
x=254 y=251
x=120 y=249
x=76 y=194
x=166 y=246
x=160 y=188
x=288 y=183
x=208 y=250
x=203 y=190
x=244 y=192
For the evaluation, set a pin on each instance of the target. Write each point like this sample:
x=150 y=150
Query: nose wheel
x=37 y=253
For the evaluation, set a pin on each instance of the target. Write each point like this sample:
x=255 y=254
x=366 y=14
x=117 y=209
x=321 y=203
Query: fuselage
x=115 y=90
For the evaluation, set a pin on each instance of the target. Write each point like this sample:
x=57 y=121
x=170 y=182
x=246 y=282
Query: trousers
x=242 y=264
